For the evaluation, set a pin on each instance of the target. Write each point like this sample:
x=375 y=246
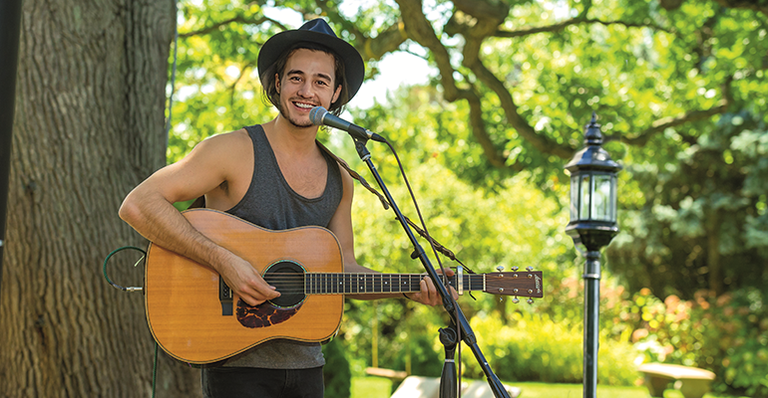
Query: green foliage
x=703 y=223
x=537 y=348
x=337 y=376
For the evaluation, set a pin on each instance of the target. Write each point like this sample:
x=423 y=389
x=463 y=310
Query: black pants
x=231 y=382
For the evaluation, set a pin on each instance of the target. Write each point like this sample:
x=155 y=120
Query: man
x=273 y=175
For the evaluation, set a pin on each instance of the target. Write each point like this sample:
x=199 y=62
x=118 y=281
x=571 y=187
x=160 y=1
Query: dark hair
x=277 y=68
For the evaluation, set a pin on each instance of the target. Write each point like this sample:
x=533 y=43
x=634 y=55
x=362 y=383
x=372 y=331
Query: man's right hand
x=246 y=283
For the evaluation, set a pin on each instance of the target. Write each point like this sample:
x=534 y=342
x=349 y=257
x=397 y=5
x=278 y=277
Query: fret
x=336 y=283
x=323 y=288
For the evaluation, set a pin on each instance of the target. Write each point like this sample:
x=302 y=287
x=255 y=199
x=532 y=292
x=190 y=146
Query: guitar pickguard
x=264 y=314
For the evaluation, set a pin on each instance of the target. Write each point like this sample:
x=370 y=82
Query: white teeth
x=305 y=106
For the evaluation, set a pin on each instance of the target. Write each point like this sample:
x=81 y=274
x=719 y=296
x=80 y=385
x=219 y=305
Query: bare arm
x=149 y=210
x=341 y=226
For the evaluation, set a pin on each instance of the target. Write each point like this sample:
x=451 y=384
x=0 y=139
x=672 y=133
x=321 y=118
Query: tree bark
x=88 y=127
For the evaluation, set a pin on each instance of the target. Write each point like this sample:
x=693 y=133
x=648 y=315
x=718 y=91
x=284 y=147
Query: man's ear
x=336 y=94
x=277 y=83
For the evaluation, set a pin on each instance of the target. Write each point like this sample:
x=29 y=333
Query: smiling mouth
x=303 y=105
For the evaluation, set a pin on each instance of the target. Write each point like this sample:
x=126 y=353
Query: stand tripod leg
x=448 y=337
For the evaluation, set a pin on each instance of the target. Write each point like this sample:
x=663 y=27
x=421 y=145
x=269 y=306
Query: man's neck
x=285 y=136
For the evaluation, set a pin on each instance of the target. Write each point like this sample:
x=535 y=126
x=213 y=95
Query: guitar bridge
x=225 y=297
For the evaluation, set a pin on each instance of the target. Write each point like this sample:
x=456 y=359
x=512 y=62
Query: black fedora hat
x=315 y=31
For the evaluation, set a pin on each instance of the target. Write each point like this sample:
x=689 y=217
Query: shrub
x=535 y=348
x=337 y=376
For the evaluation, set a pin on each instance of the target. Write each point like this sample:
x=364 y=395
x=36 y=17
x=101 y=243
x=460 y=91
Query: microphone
x=319 y=116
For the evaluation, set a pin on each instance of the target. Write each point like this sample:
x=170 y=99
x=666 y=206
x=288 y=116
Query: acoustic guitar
x=195 y=318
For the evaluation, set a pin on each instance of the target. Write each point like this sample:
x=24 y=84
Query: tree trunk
x=88 y=128
x=713 y=252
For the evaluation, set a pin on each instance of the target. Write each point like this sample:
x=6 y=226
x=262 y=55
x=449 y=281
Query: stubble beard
x=290 y=119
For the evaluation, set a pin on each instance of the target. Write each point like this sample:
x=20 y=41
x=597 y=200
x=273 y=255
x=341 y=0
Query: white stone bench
x=394 y=375
x=692 y=382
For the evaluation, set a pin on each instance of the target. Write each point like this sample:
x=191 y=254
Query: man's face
x=308 y=81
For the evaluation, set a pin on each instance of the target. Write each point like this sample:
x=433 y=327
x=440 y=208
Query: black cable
x=106 y=260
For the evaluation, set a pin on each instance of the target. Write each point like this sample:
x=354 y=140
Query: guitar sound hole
x=288 y=278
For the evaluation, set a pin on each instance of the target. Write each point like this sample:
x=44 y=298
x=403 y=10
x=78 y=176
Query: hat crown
x=318 y=25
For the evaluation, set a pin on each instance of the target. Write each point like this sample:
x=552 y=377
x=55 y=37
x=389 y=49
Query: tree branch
x=386 y=41
x=239 y=18
x=575 y=21
x=420 y=30
x=484 y=25
x=755 y=5
x=667 y=122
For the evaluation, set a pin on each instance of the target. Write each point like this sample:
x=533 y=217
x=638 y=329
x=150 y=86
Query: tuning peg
x=529 y=268
x=515 y=300
x=515 y=268
x=500 y=268
x=530 y=301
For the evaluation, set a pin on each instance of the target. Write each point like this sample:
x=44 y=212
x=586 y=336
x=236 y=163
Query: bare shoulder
x=225 y=143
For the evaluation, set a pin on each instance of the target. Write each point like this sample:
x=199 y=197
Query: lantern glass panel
x=574 y=197
x=602 y=196
x=614 y=199
x=586 y=190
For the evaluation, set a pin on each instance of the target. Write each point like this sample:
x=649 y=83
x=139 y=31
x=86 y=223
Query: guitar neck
x=368 y=283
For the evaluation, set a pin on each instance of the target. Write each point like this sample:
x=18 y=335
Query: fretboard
x=368 y=283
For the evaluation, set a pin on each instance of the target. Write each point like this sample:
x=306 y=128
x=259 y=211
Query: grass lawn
x=378 y=387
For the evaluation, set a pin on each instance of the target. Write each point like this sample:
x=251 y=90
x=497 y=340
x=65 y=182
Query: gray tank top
x=271 y=203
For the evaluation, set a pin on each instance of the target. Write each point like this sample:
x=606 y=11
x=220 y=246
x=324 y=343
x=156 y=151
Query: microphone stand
x=448 y=385
x=457 y=316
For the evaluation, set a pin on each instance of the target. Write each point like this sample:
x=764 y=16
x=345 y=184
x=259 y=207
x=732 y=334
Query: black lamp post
x=592 y=226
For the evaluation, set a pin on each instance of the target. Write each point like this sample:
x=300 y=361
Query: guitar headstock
x=526 y=283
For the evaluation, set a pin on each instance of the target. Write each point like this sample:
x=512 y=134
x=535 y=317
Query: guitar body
x=182 y=302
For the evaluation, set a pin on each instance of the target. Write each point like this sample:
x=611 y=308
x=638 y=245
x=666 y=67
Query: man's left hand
x=428 y=294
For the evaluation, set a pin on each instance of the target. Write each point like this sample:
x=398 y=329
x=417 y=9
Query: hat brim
x=353 y=62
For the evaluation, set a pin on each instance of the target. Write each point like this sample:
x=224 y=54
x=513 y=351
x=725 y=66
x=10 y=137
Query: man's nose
x=305 y=90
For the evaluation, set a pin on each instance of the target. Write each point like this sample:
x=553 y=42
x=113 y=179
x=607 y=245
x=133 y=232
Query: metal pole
x=591 y=322
x=10 y=19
